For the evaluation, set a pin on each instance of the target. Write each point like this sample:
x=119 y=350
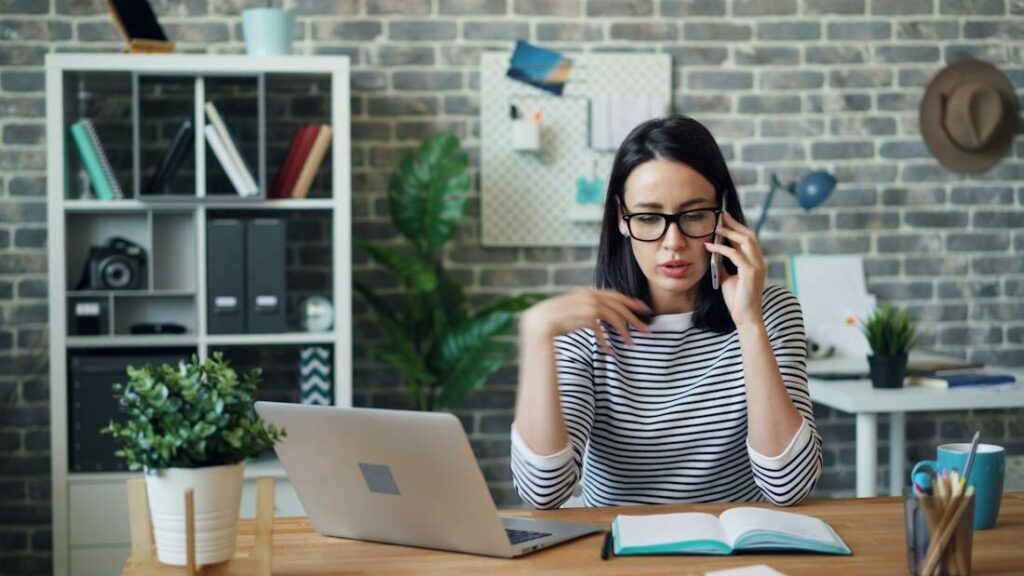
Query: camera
x=119 y=264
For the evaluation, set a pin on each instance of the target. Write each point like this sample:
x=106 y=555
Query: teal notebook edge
x=91 y=162
x=759 y=540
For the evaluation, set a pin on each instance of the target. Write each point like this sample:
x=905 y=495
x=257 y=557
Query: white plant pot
x=216 y=495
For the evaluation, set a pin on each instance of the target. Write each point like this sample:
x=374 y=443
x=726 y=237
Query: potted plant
x=891 y=334
x=191 y=426
x=442 y=349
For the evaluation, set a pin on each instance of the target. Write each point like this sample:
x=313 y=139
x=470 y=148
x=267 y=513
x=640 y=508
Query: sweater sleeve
x=548 y=481
x=787 y=478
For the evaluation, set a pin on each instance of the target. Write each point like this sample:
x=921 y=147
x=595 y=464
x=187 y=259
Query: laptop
x=400 y=477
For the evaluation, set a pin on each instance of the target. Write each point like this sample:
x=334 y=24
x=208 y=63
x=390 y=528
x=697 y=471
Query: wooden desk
x=872 y=527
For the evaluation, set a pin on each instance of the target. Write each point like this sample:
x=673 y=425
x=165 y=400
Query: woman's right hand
x=587 y=308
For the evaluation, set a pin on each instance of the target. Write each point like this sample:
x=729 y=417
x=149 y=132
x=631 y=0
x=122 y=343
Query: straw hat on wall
x=969 y=115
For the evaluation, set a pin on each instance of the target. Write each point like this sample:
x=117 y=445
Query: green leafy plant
x=442 y=349
x=889 y=331
x=192 y=415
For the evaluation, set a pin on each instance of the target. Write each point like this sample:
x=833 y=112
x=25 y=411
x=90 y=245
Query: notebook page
x=666 y=528
x=738 y=521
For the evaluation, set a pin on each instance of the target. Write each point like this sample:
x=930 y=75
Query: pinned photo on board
x=545 y=69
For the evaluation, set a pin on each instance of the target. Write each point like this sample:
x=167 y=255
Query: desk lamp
x=813 y=189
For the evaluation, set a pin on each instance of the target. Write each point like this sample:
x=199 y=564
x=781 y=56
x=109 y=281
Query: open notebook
x=736 y=529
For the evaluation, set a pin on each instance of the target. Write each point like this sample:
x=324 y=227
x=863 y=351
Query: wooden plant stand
x=143 y=561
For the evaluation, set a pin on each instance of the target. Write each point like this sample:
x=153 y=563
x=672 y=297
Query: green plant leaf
x=428 y=194
x=412 y=270
x=889 y=331
x=198 y=414
x=451 y=300
x=397 y=332
x=472 y=371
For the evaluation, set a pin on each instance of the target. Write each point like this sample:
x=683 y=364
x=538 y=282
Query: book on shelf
x=181 y=144
x=221 y=152
x=960 y=379
x=234 y=154
x=734 y=530
x=94 y=158
x=312 y=162
x=288 y=174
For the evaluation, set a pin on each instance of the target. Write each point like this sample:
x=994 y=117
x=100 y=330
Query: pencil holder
x=526 y=135
x=923 y=514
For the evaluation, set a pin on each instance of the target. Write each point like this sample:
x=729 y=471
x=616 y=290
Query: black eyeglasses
x=651 y=226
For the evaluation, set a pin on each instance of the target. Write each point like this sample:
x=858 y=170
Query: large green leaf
x=409 y=366
x=428 y=194
x=461 y=340
x=516 y=303
x=397 y=332
x=472 y=371
x=413 y=271
x=451 y=300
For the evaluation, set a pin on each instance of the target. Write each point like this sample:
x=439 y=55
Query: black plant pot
x=887 y=371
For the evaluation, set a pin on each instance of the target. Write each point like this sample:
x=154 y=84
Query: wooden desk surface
x=872 y=527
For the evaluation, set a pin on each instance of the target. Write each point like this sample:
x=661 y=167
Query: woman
x=655 y=387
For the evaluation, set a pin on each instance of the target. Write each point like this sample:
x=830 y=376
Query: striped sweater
x=666 y=420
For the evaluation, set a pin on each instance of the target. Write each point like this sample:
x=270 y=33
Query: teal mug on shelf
x=268 y=31
x=986 y=476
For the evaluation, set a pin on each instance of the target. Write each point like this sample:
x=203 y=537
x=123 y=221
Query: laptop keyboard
x=520 y=536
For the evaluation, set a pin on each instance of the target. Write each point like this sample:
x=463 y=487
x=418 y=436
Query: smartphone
x=715 y=283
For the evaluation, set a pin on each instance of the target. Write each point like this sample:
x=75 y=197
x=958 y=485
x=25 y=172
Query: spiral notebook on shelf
x=744 y=529
x=94 y=158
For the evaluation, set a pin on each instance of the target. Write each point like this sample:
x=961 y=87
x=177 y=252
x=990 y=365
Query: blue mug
x=986 y=476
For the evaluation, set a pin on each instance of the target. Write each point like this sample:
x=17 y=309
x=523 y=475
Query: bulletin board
x=529 y=198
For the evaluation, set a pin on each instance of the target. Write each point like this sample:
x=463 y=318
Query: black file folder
x=225 y=273
x=91 y=404
x=265 y=271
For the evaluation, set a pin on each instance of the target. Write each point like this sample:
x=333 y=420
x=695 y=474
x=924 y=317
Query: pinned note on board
x=612 y=118
x=545 y=69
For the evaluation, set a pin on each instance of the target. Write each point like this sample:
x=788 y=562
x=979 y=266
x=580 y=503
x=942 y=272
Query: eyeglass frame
x=626 y=216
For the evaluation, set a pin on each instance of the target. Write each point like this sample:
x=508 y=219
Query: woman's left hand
x=742 y=291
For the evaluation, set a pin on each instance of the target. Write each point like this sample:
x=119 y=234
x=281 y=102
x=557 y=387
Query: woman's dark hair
x=681 y=139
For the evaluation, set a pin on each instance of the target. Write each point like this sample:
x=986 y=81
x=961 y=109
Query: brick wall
x=784 y=84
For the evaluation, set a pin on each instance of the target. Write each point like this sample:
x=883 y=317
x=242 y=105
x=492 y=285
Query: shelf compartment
x=293 y=100
x=85 y=231
x=174 y=251
x=104 y=98
x=163 y=104
x=308 y=255
x=163 y=309
x=281 y=368
x=239 y=101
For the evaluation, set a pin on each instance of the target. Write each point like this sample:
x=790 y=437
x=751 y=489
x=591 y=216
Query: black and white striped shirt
x=666 y=420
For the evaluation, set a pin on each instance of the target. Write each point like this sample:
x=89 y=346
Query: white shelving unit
x=90 y=519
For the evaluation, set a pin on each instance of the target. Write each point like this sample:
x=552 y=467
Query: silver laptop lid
x=389 y=476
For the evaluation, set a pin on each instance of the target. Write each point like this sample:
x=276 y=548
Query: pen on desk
x=606 y=548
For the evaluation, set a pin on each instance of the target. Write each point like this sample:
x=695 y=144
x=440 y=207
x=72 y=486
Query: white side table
x=858 y=397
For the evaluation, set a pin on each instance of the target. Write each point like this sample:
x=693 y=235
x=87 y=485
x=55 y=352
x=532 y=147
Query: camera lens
x=116 y=273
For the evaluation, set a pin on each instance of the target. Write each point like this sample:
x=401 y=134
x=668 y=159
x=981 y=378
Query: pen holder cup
x=922 y=518
x=525 y=135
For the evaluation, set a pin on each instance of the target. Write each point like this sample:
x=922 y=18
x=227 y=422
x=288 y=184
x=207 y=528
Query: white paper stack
x=612 y=118
x=834 y=299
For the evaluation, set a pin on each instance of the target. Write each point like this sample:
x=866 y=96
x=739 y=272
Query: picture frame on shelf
x=139 y=26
